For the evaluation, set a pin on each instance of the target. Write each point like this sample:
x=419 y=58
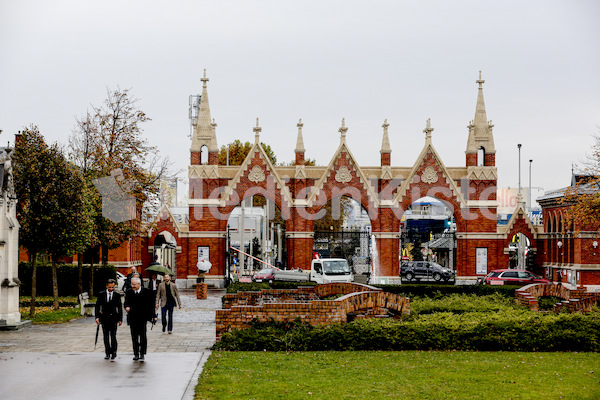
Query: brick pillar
x=386 y=159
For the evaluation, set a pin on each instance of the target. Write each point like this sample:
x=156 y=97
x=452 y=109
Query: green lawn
x=435 y=375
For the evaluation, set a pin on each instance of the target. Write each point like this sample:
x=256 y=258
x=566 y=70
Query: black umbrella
x=97 y=331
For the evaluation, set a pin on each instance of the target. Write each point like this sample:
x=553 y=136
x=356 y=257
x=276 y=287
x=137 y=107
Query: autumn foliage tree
x=583 y=197
x=108 y=141
x=238 y=152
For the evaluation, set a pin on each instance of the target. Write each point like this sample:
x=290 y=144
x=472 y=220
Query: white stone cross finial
x=257 y=129
x=480 y=81
x=205 y=79
x=428 y=129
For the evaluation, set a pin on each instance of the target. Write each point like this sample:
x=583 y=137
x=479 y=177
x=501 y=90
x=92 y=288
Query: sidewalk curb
x=190 y=391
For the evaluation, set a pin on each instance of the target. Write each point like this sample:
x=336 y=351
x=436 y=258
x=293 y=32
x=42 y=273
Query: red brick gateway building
x=385 y=192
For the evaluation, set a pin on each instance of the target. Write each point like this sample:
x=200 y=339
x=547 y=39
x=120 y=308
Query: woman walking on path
x=167 y=297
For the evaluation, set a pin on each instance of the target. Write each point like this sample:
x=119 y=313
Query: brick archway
x=384 y=191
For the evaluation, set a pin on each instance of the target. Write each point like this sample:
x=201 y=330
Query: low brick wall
x=284 y=305
x=576 y=300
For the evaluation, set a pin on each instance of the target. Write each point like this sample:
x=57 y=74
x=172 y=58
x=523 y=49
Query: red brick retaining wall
x=289 y=304
x=576 y=300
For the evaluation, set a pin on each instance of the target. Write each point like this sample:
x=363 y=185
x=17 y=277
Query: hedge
x=436 y=291
x=68 y=278
x=503 y=331
x=258 y=286
x=407 y=290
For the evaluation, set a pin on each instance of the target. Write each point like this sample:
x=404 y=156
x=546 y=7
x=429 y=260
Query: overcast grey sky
x=320 y=61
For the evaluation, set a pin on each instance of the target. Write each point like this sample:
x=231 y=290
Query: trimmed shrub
x=68 y=278
x=437 y=291
x=502 y=331
x=462 y=303
x=258 y=286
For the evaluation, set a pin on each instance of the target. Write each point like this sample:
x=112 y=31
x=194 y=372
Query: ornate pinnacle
x=343 y=128
x=300 y=124
x=385 y=126
x=214 y=124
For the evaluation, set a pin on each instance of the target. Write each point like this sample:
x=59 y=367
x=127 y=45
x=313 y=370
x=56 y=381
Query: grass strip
x=439 y=375
x=47 y=315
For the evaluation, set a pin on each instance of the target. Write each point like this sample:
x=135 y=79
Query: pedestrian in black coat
x=109 y=313
x=139 y=305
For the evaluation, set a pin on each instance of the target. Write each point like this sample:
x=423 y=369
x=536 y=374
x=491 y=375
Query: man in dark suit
x=139 y=305
x=109 y=313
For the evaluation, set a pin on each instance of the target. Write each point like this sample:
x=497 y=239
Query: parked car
x=120 y=281
x=511 y=277
x=410 y=270
x=265 y=274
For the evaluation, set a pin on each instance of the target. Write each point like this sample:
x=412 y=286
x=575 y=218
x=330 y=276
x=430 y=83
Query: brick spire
x=300 y=145
x=204 y=130
x=386 y=149
x=480 y=129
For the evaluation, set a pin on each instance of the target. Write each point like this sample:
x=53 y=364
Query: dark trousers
x=168 y=309
x=138 y=337
x=109 y=331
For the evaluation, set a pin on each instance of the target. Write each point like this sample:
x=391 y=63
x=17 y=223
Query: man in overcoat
x=109 y=313
x=139 y=304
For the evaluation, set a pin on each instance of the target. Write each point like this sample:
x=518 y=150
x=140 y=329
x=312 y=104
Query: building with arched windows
x=569 y=253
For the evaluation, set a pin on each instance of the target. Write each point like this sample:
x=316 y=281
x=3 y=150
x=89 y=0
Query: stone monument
x=10 y=317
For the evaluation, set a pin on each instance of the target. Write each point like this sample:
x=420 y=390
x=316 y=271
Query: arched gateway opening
x=255 y=235
x=344 y=231
x=428 y=232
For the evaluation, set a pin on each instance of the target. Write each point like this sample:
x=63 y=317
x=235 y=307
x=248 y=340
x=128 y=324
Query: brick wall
x=575 y=300
x=289 y=304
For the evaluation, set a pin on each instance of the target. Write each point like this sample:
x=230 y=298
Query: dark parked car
x=265 y=274
x=511 y=277
x=410 y=270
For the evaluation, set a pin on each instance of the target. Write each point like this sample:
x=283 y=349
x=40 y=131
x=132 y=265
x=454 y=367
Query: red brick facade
x=568 y=253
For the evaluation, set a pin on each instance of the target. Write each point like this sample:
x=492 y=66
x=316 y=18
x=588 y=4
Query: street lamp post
x=519 y=146
x=530 y=204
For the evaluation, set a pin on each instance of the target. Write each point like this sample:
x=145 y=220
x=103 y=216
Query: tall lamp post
x=530 y=204
x=519 y=146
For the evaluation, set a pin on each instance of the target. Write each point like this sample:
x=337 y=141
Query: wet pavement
x=59 y=361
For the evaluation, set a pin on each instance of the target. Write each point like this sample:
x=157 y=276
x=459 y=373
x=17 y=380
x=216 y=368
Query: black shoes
x=164 y=327
x=107 y=357
x=142 y=357
x=135 y=358
x=113 y=356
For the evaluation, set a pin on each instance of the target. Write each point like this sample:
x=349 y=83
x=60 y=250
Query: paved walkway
x=60 y=362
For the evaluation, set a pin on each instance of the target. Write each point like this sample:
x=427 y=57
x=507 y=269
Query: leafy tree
x=256 y=248
x=415 y=251
x=109 y=142
x=334 y=220
x=32 y=175
x=238 y=152
x=51 y=209
x=583 y=197
x=70 y=214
